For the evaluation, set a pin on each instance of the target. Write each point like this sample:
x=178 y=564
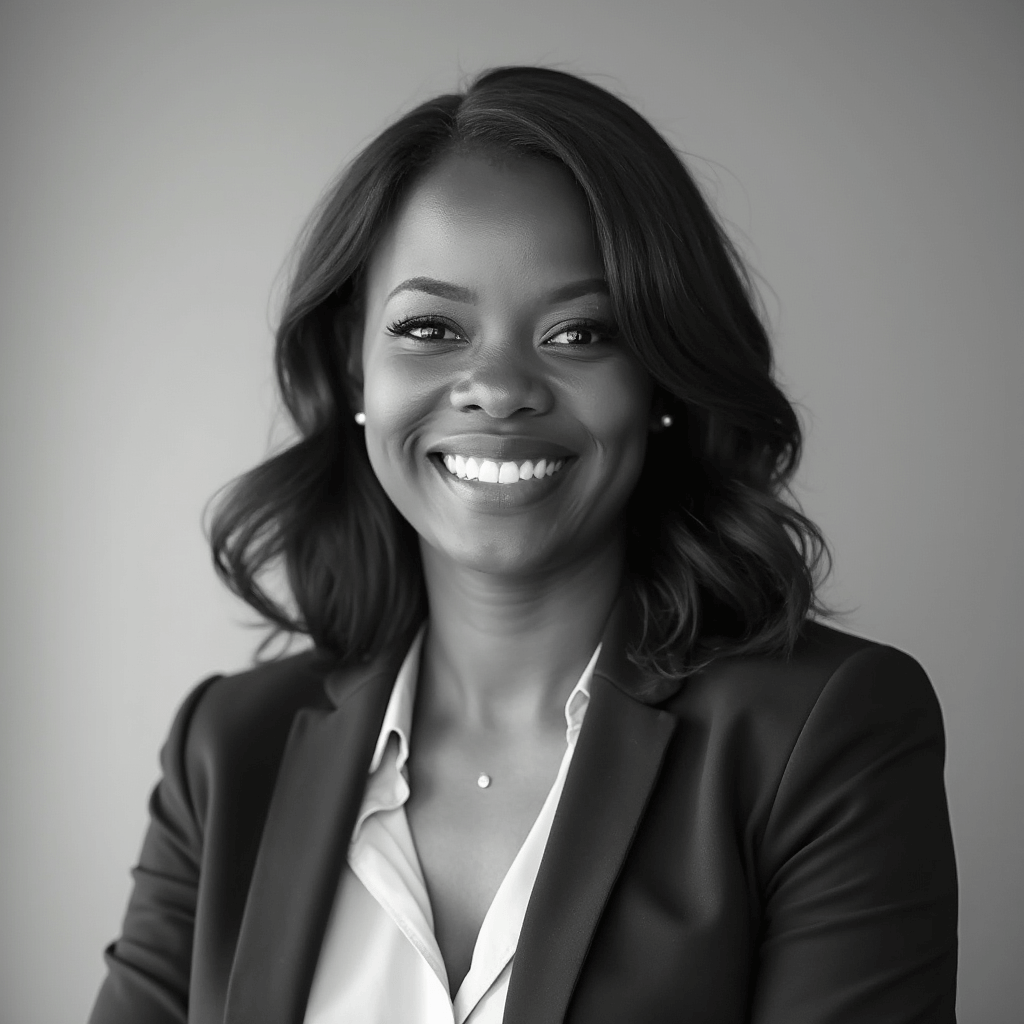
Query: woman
x=566 y=746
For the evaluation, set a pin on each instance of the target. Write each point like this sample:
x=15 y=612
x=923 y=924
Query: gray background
x=157 y=160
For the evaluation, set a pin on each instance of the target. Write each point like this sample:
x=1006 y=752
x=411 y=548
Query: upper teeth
x=500 y=473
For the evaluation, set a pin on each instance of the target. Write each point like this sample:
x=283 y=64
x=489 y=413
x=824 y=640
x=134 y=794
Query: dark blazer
x=767 y=841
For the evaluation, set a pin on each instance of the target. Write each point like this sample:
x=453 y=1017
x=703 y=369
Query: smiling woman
x=568 y=745
x=511 y=362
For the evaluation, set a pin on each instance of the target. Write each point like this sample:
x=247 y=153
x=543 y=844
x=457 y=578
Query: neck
x=506 y=652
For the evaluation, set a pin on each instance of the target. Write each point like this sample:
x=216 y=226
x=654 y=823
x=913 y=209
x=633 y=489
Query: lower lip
x=499 y=497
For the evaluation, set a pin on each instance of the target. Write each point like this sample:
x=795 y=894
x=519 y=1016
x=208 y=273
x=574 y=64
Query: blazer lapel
x=309 y=823
x=613 y=771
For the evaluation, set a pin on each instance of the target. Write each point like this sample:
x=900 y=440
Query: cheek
x=395 y=400
x=620 y=405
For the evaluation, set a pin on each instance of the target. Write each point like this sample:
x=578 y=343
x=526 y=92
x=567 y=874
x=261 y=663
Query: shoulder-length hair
x=718 y=560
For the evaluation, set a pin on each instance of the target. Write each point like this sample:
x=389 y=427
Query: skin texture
x=519 y=590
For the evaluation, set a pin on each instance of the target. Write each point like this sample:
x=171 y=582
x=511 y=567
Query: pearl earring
x=360 y=418
x=666 y=420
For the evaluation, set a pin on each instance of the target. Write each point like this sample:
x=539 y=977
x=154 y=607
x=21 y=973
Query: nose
x=503 y=383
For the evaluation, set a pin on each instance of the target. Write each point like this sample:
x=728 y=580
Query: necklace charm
x=483 y=781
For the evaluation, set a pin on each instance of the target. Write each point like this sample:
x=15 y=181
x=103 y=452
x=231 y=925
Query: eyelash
x=401 y=329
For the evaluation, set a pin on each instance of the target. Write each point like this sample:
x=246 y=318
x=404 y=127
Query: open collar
x=398 y=714
x=318 y=792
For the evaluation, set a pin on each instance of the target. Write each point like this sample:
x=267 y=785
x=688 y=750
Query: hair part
x=720 y=558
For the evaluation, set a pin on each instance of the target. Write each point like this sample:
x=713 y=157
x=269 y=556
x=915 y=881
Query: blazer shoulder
x=232 y=724
x=879 y=680
x=774 y=696
x=836 y=699
x=238 y=702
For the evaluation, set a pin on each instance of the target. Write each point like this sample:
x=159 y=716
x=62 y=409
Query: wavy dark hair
x=719 y=558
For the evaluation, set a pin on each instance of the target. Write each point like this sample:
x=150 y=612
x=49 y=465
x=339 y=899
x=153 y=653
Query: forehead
x=473 y=219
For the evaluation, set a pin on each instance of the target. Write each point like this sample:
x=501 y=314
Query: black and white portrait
x=511 y=512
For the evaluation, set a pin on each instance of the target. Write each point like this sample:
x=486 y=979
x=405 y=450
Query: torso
x=467 y=837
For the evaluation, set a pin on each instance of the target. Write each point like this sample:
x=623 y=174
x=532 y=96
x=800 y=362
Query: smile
x=488 y=471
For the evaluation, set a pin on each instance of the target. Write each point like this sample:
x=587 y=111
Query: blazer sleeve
x=858 y=873
x=149 y=965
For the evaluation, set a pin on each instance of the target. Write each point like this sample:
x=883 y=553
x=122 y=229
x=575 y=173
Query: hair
x=720 y=560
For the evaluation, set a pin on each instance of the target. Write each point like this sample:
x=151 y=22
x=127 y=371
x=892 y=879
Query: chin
x=512 y=553
x=495 y=556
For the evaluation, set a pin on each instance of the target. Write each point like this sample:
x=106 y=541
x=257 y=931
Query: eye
x=581 y=335
x=424 y=329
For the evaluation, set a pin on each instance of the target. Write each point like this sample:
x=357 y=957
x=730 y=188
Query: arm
x=858 y=873
x=149 y=965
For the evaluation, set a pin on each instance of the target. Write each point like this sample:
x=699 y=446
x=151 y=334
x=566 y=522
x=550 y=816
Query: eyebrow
x=457 y=293
x=432 y=286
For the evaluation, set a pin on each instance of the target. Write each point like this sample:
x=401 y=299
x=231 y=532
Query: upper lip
x=501 y=447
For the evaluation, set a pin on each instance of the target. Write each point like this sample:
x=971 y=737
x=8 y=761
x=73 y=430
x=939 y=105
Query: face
x=504 y=419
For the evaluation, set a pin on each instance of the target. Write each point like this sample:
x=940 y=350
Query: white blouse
x=380 y=962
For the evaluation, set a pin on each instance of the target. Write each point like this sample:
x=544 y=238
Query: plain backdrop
x=156 y=163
